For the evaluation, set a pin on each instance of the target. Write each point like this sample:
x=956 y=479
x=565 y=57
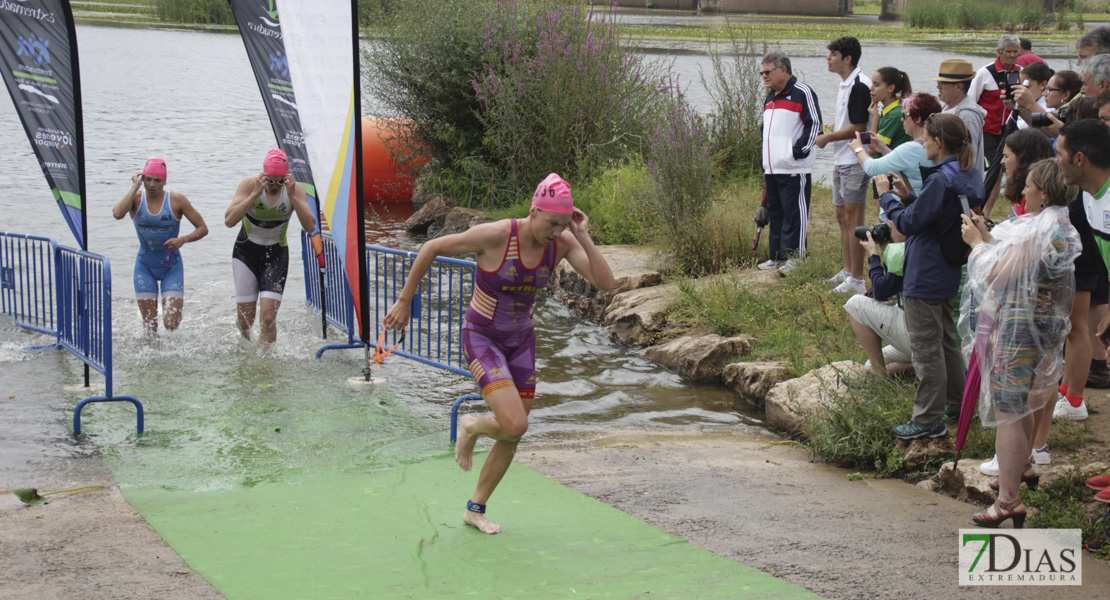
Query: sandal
x=999 y=512
x=1030 y=480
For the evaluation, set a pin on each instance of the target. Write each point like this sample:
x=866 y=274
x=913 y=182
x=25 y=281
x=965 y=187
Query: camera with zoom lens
x=880 y=233
x=1042 y=120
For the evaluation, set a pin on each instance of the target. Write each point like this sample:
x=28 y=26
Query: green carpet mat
x=398 y=533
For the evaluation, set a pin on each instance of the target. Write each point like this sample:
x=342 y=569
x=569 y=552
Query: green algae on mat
x=398 y=534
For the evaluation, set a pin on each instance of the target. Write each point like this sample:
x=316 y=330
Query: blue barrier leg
x=43 y=347
x=327 y=347
x=455 y=411
x=81 y=405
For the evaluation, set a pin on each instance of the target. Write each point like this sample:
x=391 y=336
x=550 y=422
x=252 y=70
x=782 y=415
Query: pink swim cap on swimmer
x=275 y=164
x=553 y=195
x=155 y=167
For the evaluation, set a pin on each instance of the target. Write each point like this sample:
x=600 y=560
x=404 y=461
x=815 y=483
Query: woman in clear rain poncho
x=1021 y=275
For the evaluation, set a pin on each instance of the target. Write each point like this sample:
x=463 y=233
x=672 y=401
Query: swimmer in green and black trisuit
x=264 y=204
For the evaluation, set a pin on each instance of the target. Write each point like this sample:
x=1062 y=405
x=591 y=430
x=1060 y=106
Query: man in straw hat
x=953 y=82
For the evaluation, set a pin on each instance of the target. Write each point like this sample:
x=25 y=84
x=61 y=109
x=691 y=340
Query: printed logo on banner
x=35 y=47
x=279 y=63
x=273 y=13
x=26 y=11
x=1021 y=557
x=53 y=138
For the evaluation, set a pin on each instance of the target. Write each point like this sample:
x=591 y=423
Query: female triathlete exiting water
x=515 y=259
x=157 y=214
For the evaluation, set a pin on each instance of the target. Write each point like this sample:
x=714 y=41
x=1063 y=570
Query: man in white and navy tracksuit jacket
x=791 y=123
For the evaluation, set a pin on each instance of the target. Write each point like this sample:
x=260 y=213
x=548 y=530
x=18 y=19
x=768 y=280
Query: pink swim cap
x=155 y=167
x=275 y=164
x=553 y=195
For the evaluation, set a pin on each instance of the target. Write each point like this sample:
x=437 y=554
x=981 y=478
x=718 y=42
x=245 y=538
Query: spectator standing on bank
x=791 y=122
x=1083 y=152
x=953 y=81
x=930 y=220
x=889 y=87
x=1026 y=56
x=1095 y=41
x=1021 y=276
x=1096 y=75
x=989 y=88
x=849 y=181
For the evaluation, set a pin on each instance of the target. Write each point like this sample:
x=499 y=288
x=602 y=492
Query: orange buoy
x=382 y=181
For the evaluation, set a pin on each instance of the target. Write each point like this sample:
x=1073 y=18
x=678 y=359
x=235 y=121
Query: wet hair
x=1026 y=44
x=1089 y=136
x=949 y=130
x=1081 y=108
x=897 y=78
x=1038 y=72
x=920 y=106
x=1029 y=146
x=1097 y=38
x=778 y=59
x=1009 y=40
x=847 y=46
x=1070 y=82
x=1049 y=178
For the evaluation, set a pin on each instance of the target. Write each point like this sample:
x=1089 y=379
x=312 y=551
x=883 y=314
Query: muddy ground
x=764 y=505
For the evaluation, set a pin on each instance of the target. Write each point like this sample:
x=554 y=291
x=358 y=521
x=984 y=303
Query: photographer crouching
x=874 y=320
x=935 y=253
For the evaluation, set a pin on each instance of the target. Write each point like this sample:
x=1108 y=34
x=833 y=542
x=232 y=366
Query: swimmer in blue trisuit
x=264 y=203
x=157 y=215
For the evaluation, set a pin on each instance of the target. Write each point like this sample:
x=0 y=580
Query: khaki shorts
x=888 y=321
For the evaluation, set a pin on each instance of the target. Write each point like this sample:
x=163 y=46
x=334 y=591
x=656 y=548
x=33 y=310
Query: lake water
x=215 y=408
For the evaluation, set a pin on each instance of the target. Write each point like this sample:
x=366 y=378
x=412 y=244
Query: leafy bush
x=681 y=166
x=737 y=90
x=974 y=14
x=615 y=203
x=502 y=93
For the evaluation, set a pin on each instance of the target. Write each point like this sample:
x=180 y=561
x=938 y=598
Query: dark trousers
x=991 y=142
x=937 y=360
x=788 y=213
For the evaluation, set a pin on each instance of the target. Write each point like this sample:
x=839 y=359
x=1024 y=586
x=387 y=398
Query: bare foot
x=246 y=333
x=480 y=522
x=464 y=445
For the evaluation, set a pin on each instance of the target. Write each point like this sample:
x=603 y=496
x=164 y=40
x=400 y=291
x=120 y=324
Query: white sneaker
x=1064 y=410
x=990 y=467
x=838 y=278
x=769 y=264
x=790 y=265
x=1041 y=456
x=851 y=286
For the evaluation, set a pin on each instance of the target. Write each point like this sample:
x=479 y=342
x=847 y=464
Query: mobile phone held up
x=1012 y=78
x=865 y=137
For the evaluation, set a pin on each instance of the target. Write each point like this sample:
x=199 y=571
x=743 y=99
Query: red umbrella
x=967 y=407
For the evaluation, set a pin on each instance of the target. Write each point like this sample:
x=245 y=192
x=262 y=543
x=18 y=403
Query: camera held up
x=879 y=232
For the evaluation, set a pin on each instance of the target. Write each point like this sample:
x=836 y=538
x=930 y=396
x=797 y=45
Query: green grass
x=1065 y=503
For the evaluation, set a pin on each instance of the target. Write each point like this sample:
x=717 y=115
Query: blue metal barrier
x=67 y=293
x=27 y=293
x=434 y=334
